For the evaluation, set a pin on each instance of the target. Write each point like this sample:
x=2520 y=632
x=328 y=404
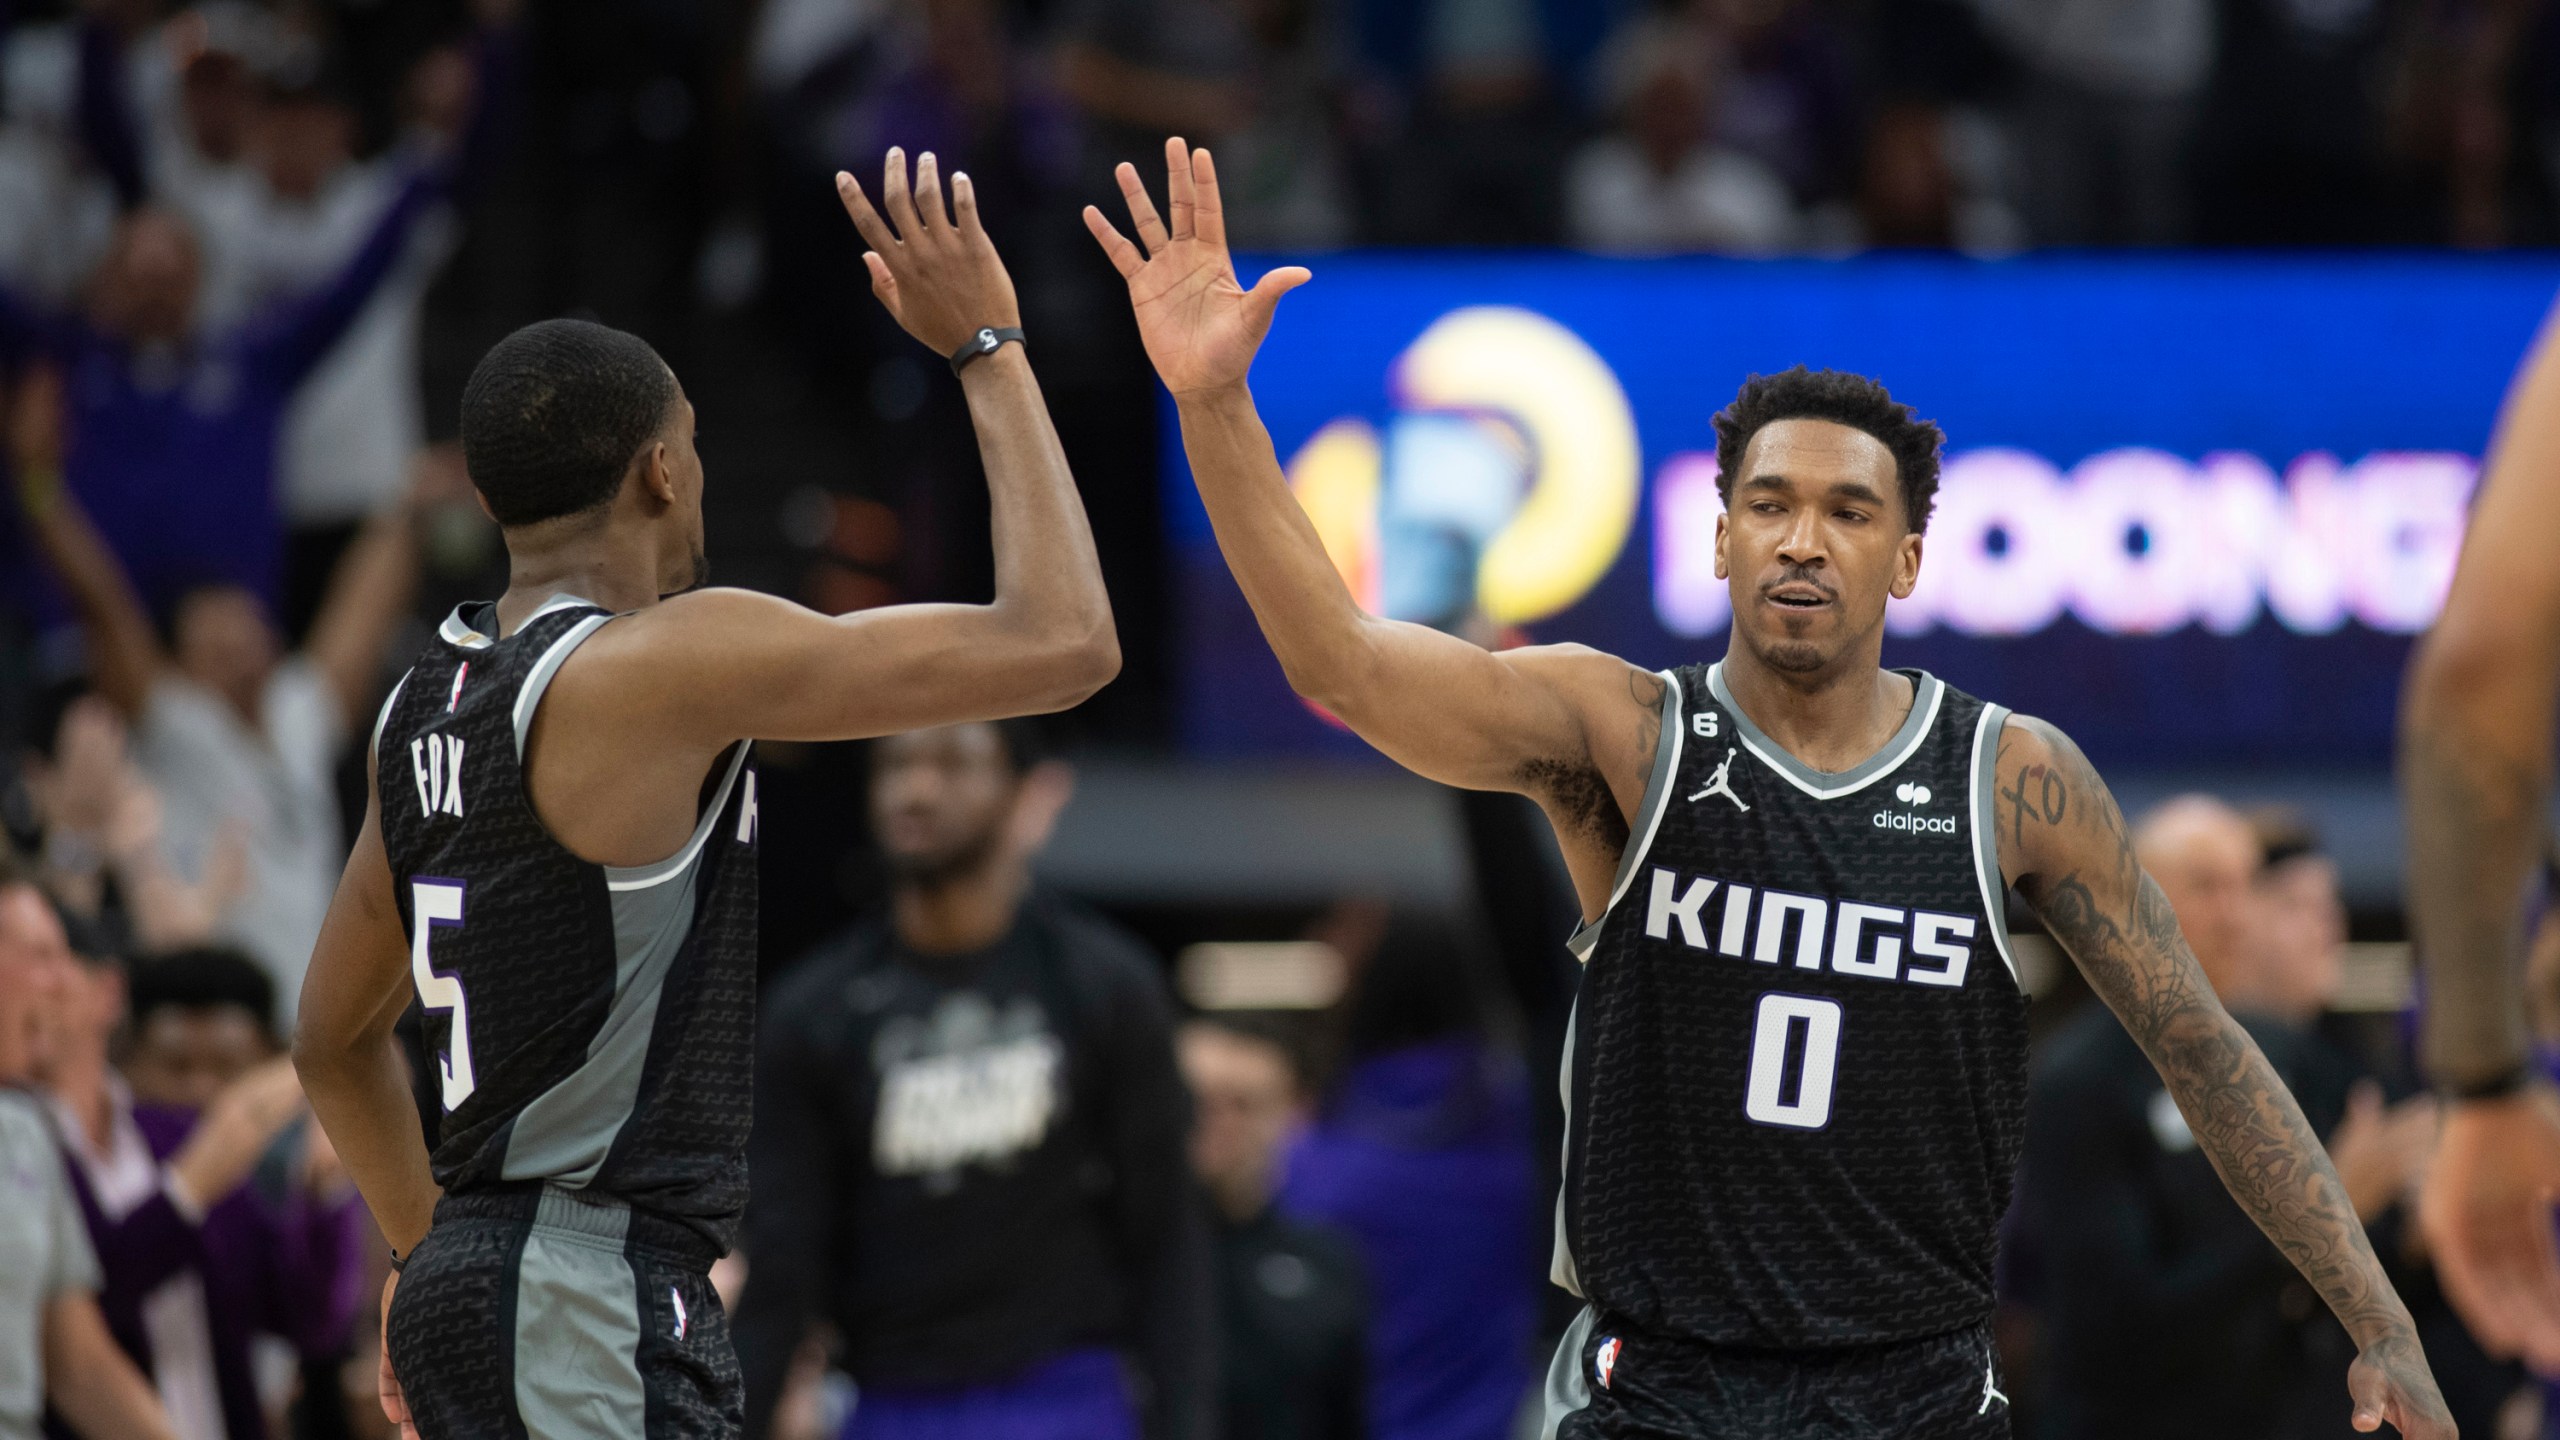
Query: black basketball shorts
x=1611 y=1382
x=547 y=1314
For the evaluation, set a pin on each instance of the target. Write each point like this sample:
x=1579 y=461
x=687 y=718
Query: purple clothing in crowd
x=272 y=1260
x=1073 y=1395
x=172 y=449
x=1423 y=1158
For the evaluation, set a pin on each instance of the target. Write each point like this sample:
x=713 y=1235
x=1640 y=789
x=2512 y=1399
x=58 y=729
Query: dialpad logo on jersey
x=1604 y=1361
x=1811 y=932
x=1914 y=796
x=968 y=1083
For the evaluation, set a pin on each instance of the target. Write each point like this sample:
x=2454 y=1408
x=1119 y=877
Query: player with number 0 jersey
x=1797 y=1065
x=559 y=858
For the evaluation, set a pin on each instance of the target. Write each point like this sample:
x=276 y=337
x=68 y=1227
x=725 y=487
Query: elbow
x=320 y=1055
x=1333 y=677
x=1087 y=663
x=1060 y=668
x=2454 y=666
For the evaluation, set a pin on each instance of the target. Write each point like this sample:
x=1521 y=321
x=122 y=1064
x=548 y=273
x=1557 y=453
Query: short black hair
x=204 y=977
x=1844 y=399
x=554 y=413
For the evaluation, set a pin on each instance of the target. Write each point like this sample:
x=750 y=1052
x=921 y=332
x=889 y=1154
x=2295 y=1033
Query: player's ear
x=1722 y=530
x=656 y=479
x=1906 y=565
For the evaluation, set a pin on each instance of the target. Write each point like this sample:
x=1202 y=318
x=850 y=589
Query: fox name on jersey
x=589 y=1026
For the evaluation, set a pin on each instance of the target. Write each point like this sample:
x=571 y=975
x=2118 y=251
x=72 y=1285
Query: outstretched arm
x=2475 y=781
x=2065 y=845
x=1571 y=727
x=763 y=668
x=124 y=651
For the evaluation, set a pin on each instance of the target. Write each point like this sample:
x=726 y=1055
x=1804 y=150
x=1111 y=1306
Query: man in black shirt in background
x=1293 y=1298
x=2167 y=1310
x=969 y=1151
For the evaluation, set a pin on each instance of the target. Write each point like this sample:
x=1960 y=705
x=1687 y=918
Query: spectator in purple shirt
x=174 y=429
x=1421 y=1154
x=208 y=1230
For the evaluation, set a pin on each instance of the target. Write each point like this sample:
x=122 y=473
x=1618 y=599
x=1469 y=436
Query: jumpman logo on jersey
x=1721 y=783
x=1990 y=1392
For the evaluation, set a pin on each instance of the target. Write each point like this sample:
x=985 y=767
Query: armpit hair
x=1579 y=797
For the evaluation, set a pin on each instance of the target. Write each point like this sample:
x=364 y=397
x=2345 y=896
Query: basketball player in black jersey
x=1797 y=1072
x=558 y=858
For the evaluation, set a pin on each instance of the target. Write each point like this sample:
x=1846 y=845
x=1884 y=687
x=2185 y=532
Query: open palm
x=1201 y=327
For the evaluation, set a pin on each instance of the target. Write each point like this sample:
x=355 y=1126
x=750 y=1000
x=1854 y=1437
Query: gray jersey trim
x=1568 y=1390
x=538 y=679
x=577 y=1340
x=619 y=878
x=1657 y=798
x=567 y=1132
x=1984 y=798
x=1832 y=784
x=1561 y=1269
x=456 y=631
x=373 y=746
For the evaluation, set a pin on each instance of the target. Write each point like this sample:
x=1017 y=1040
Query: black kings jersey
x=1796 y=1074
x=591 y=1026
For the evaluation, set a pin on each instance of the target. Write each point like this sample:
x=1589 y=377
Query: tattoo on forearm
x=2119 y=927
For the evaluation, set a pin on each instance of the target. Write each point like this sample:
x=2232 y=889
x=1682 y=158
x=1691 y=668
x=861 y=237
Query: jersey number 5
x=434 y=904
x=1768 y=1097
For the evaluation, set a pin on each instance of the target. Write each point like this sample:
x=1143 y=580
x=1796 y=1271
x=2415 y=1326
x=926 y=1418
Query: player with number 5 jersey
x=1797 y=1067
x=559 y=859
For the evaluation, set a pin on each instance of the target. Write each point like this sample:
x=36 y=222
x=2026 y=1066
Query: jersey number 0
x=1768 y=1097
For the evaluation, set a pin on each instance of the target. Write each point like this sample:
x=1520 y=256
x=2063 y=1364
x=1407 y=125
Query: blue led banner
x=2194 y=507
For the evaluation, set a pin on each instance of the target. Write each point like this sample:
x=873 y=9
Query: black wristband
x=985 y=342
x=2494 y=1087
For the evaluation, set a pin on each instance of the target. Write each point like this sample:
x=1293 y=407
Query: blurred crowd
x=1012 y=1166
x=247 y=252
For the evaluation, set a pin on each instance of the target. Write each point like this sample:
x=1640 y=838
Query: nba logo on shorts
x=1604 y=1362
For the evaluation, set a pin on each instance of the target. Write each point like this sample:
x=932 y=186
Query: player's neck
x=611 y=566
x=1830 y=719
x=961 y=912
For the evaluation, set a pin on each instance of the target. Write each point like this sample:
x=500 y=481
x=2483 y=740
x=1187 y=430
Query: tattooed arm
x=2065 y=845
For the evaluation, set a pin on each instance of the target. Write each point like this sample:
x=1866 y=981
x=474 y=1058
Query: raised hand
x=936 y=271
x=235 y=1131
x=1200 y=326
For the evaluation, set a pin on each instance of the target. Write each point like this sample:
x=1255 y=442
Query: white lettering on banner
x=2134 y=542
